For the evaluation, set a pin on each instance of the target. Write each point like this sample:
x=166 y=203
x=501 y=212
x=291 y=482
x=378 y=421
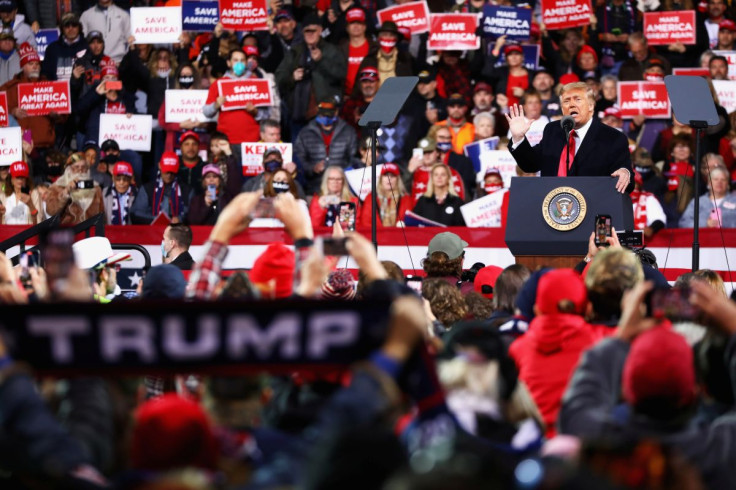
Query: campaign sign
x=155 y=25
x=199 y=16
x=414 y=15
x=239 y=93
x=252 y=156
x=726 y=90
x=453 y=32
x=43 y=98
x=131 y=133
x=484 y=212
x=44 y=37
x=531 y=57
x=3 y=110
x=691 y=72
x=648 y=98
x=513 y=22
x=731 y=58
x=361 y=179
x=239 y=15
x=11 y=145
x=185 y=105
x=501 y=160
x=475 y=149
x=664 y=28
x=564 y=14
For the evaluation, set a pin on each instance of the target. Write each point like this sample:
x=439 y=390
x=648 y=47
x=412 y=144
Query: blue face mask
x=272 y=165
x=326 y=120
x=444 y=146
x=164 y=253
x=238 y=68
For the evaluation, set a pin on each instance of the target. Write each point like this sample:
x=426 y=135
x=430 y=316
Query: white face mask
x=164 y=73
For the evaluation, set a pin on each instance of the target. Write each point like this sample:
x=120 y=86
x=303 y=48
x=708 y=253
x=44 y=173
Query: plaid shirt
x=206 y=274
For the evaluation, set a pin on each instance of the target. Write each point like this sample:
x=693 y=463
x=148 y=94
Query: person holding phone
x=205 y=208
x=280 y=183
x=325 y=204
x=75 y=195
x=393 y=200
x=20 y=203
x=108 y=97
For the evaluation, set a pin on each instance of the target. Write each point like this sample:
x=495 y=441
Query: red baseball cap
x=122 y=168
x=481 y=87
x=390 y=168
x=586 y=49
x=368 y=73
x=513 y=48
x=569 y=78
x=355 y=14
x=251 y=51
x=727 y=24
x=169 y=162
x=188 y=134
x=612 y=111
x=561 y=285
x=19 y=169
x=486 y=277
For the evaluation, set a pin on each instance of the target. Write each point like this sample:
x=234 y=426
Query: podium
x=550 y=219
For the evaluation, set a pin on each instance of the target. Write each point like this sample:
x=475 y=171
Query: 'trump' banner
x=43 y=98
x=453 y=32
x=186 y=337
x=670 y=27
x=252 y=156
x=199 y=16
x=564 y=14
x=648 y=98
x=414 y=15
x=513 y=22
x=244 y=15
x=155 y=25
x=239 y=93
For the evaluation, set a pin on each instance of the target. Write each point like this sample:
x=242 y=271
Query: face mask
x=280 y=187
x=644 y=171
x=444 y=146
x=653 y=77
x=164 y=73
x=251 y=65
x=387 y=44
x=54 y=170
x=186 y=82
x=490 y=188
x=326 y=120
x=272 y=165
x=164 y=253
x=238 y=68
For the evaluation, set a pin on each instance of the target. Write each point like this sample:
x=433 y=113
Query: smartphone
x=27 y=136
x=113 y=85
x=332 y=246
x=347 y=216
x=602 y=229
x=25 y=273
x=417 y=153
x=25 y=190
x=264 y=209
x=86 y=184
x=212 y=191
x=415 y=283
x=57 y=257
x=671 y=303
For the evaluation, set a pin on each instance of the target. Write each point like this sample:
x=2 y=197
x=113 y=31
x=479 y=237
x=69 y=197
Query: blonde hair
x=578 y=86
x=399 y=187
x=430 y=185
x=345 y=194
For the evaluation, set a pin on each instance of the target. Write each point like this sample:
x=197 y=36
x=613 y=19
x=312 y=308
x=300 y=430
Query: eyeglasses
x=334 y=179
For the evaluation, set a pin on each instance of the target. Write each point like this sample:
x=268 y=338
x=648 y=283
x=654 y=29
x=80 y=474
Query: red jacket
x=318 y=214
x=546 y=357
x=405 y=204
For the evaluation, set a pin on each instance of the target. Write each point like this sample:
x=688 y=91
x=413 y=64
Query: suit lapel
x=588 y=145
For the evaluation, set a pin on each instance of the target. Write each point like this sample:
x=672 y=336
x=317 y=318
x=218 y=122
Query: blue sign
x=531 y=57
x=199 y=16
x=44 y=38
x=475 y=149
x=513 y=22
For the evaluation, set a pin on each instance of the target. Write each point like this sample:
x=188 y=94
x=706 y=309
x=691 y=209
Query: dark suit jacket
x=603 y=151
x=184 y=261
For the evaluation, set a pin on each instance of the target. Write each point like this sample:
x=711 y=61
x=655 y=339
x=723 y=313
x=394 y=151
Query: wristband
x=303 y=243
x=34 y=212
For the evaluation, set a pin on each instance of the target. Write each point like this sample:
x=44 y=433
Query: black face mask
x=54 y=170
x=186 y=82
x=272 y=165
x=280 y=187
x=110 y=159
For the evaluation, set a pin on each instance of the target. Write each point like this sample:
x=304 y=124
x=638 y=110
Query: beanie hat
x=27 y=54
x=586 y=49
x=561 y=285
x=164 y=281
x=659 y=367
x=169 y=162
x=277 y=263
x=339 y=285
x=485 y=280
x=172 y=432
x=109 y=70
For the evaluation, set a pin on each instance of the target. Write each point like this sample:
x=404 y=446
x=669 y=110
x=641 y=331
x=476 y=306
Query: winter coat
x=58 y=61
x=23 y=31
x=310 y=149
x=42 y=128
x=114 y=26
x=92 y=105
x=59 y=201
x=9 y=67
x=45 y=12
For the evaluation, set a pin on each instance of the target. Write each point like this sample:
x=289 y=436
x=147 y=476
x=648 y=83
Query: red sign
x=564 y=14
x=43 y=98
x=414 y=15
x=239 y=93
x=453 y=32
x=3 y=110
x=692 y=72
x=677 y=26
x=647 y=98
x=244 y=15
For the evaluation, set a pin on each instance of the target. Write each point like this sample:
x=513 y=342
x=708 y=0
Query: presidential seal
x=564 y=208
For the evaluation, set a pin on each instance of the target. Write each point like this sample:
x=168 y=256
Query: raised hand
x=518 y=124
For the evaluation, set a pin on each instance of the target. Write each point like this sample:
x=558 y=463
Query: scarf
x=174 y=198
x=120 y=206
x=639 y=199
x=388 y=209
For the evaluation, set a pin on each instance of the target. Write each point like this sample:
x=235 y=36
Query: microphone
x=567 y=123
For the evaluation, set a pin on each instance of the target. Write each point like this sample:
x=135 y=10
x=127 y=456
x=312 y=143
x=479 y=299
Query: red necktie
x=562 y=171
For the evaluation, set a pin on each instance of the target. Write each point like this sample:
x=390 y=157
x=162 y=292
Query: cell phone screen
x=264 y=208
x=58 y=256
x=602 y=229
x=347 y=216
x=332 y=246
x=671 y=303
x=85 y=184
x=114 y=85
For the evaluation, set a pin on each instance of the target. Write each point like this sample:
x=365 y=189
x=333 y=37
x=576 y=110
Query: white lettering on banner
x=453 y=36
x=726 y=90
x=59 y=330
x=131 y=133
x=206 y=344
x=127 y=334
x=10 y=145
x=515 y=23
x=403 y=15
x=332 y=329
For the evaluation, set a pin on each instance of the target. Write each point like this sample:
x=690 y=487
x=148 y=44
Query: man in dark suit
x=595 y=149
x=175 y=246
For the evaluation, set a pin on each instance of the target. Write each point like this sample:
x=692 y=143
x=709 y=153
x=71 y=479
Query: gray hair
x=484 y=115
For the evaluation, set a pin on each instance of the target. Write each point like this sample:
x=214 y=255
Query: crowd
x=324 y=63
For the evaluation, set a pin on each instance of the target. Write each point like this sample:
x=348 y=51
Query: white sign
x=360 y=180
x=484 y=212
x=155 y=25
x=184 y=105
x=11 y=146
x=131 y=133
x=500 y=159
x=726 y=90
x=252 y=155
